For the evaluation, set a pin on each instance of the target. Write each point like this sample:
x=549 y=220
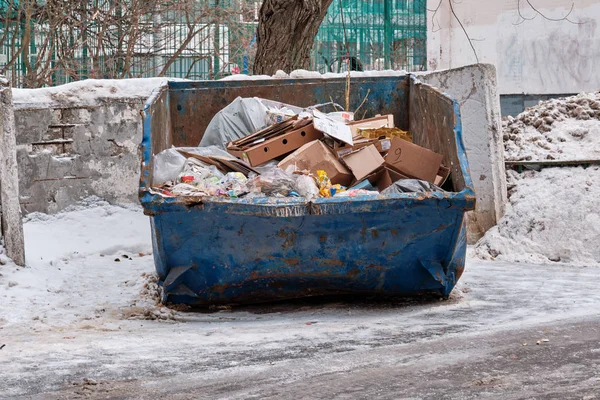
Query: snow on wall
x=533 y=56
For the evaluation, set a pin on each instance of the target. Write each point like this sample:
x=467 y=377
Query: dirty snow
x=558 y=129
x=553 y=216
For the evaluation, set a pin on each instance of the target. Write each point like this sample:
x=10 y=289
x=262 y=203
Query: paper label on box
x=385 y=144
x=332 y=128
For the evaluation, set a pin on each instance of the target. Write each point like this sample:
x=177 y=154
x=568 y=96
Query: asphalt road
x=482 y=343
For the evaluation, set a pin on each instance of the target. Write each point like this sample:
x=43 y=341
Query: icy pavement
x=77 y=323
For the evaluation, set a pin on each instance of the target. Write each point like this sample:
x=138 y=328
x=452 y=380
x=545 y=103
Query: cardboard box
x=384 y=178
x=363 y=162
x=383 y=121
x=442 y=175
x=276 y=146
x=412 y=160
x=331 y=127
x=316 y=156
x=382 y=145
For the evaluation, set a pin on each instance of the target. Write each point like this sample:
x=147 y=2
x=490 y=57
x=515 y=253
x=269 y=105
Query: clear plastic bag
x=411 y=186
x=168 y=164
x=307 y=187
x=272 y=182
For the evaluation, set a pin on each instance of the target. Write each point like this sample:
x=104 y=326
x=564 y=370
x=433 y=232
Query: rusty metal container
x=224 y=251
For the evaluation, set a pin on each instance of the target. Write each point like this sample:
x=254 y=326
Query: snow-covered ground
x=76 y=320
x=86 y=266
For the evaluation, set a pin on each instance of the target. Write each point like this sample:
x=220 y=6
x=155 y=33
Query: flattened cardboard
x=277 y=146
x=383 y=121
x=223 y=164
x=316 y=156
x=363 y=162
x=331 y=127
x=412 y=160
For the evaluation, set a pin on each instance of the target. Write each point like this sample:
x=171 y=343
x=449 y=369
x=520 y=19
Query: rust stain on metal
x=220 y=288
x=290 y=238
x=329 y=262
x=374 y=233
x=394 y=232
x=323 y=238
x=353 y=273
x=292 y=261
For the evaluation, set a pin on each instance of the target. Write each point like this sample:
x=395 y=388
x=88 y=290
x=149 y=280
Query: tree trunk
x=286 y=33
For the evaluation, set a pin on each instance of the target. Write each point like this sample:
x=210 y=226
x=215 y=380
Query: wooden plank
x=11 y=222
x=552 y=163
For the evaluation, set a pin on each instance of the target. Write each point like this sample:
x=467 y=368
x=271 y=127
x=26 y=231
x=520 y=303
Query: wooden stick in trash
x=363 y=102
x=348 y=85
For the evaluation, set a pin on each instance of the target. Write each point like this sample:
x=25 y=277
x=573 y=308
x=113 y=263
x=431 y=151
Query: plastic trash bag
x=243 y=117
x=306 y=187
x=234 y=184
x=272 y=182
x=411 y=186
x=240 y=118
x=195 y=171
x=168 y=163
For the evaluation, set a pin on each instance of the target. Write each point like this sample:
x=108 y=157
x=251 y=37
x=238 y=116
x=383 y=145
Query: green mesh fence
x=364 y=34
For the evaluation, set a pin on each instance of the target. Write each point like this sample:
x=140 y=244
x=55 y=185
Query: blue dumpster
x=235 y=251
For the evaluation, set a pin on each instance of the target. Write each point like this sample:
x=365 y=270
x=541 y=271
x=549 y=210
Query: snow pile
x=86 y=266
x=558 y=129
x=553 y=216
x=305 y=74
x=92 y=92
x=89 y=92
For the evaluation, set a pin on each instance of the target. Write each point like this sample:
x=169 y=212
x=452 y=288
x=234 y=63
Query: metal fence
x=373 y=34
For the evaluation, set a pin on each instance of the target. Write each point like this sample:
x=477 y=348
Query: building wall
x=532 y=56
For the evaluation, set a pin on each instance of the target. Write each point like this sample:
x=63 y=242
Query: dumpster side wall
x=475 y=89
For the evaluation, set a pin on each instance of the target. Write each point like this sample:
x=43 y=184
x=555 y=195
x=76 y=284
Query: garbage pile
x=261 y=148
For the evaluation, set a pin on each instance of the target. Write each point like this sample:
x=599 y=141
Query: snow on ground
x=557 y=129
x=74 y=313
x=72 y=274
x=553 y=216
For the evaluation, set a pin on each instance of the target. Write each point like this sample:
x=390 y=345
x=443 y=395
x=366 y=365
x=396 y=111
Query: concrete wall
x=66 y=153
x=474 y=87
x=532 y=56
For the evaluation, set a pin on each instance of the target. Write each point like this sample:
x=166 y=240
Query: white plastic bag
x=168 y=163
x=307 y=187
